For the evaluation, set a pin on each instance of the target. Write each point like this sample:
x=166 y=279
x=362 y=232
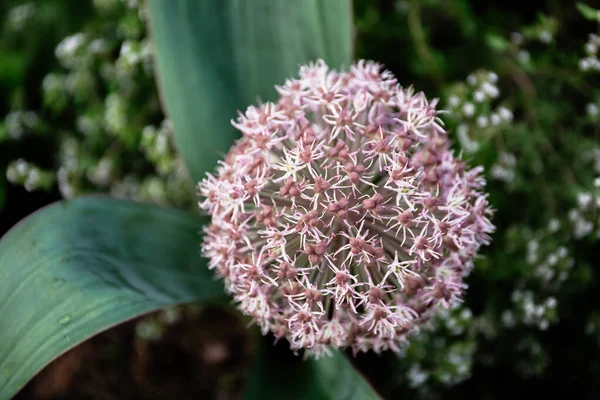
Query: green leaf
x=215 y=57
x=497 y=43
x=587 y=11
x=77 y=268
x=278 y=374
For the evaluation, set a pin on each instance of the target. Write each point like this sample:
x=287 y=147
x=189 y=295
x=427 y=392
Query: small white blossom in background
x=581 y=226
x=158 y=146
x=20 y=123
x=551 y=265
x=584 y=200
x=67 y=177
x=543 y=31
x=149 y=329
x=153 y=327
x=593 y=156
x=468 y=110
x=591 y=62
x=434 y=357
x=115 y=117
x=546 y=37
x=21 y=172
x=417 y=376
x=554 y=225
x=460 y=364
x=584 y=217
x=102 y=174
x=554 y=269
x=90 y=125
x=592 y=110
x=98 y=47
x=68 y=50
x=504 y=168
x=146 y=56
x=523 y=56
x=456 y=320
x=505 y=114
x=472 y=107
x=529 y=312
x=517 y=38
x=135 y=58
x=469 y=145
x=482 y=121
x=129 y=55
x=21 y=15
x=508 y=319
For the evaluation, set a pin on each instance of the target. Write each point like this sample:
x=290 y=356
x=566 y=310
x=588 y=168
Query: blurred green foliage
x=95 y=112
x=520 y=82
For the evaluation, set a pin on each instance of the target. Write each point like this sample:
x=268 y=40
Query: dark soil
x=205 y=355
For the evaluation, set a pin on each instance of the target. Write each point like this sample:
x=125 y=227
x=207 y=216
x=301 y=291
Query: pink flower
x=341 y=218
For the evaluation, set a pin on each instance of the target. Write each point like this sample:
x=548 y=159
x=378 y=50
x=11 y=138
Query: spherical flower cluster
x=341 y=218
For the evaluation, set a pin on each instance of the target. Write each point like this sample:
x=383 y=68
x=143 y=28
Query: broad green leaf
x=77 y=268
x=215 y=57
x=279 y=374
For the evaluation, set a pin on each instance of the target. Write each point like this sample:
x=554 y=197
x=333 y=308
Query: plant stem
x=417 y=34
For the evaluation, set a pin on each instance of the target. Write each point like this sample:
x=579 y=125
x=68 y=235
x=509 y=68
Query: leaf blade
x=278 y=374
x=216 y=57
x=76 y=268
x=587 y=11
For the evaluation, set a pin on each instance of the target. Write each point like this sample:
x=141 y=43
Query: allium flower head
x=341 y=218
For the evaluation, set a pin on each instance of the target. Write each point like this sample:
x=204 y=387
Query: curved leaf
x=279 y=374
x=215 y=57
x=76 y=268
x=587 y=11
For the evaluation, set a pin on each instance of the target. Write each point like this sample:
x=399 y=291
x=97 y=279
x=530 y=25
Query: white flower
x=516 y=38
x=591 y=48
x=468 y=109
x=584 y=200
x=523 y=56
x=546 y=37
x=554 y=225
x=490 y=89
x=482 y=121
x=505 y=114
x=66 y=49
x=453 y=101
x=495 y=119
x=479 y=96
x=472 y=79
